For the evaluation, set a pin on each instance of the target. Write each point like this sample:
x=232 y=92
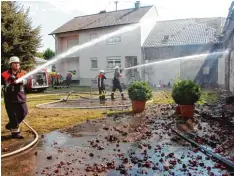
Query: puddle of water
x=75 y=152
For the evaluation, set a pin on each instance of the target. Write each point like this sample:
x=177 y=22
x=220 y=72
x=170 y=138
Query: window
x=166 y=37
x=93 y=36
x=113 y=61
x=113 y=40
x=233 y=41
x=94 y=63
x=133 y=72
x=206 y=70
x=72 y=42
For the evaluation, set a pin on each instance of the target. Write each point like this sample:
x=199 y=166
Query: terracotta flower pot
x=187 y=110
x=138 y=106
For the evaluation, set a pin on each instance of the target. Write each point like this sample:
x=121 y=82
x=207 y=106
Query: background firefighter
x=68 y=79
x=14 y=96
x=116 y=83
x=101 y=85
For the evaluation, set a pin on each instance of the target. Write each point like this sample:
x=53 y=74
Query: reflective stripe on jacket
x=13 y=93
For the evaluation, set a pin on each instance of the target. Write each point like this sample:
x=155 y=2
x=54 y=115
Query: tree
x=19 y=38
x=48 y=54
x=40 y=55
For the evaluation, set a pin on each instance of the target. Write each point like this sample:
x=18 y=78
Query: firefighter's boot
x=112 y=96
x=8 y=126
x=100 y=97
x=103 y=98
x=17 y=136
x=123 y=98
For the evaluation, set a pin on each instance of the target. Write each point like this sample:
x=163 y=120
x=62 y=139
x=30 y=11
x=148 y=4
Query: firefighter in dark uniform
x=14 y=96
x=116 y=83
x=101 y=85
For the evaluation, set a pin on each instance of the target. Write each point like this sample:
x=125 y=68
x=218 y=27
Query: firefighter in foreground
x=14 y=96
x=101 y=85
x=116 y=83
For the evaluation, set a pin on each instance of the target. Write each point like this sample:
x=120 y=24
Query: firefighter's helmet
x=102 y=71
x=116 y=68
x=14 y=59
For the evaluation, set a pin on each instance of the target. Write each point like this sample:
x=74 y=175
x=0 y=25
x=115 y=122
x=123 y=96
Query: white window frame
x=113 y=40
x=115 y=60
x=93 y=59
x=93 y=34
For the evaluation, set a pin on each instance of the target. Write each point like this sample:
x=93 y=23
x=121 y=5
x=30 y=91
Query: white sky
x=52 y=14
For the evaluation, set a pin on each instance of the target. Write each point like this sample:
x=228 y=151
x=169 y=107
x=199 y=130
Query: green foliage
x=140 y=91
x=208 y=97
x=18 y=36
x=48 y=54
x=40 y=55
x=186 y=92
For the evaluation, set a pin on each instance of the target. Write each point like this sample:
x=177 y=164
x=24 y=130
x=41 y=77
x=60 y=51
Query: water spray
x=174 y=59
x=80 y=47
x=143 y=22
x=178 y=58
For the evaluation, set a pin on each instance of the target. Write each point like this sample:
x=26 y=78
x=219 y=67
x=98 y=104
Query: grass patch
x=208 y=97
x=164 y=97
x=47 y=120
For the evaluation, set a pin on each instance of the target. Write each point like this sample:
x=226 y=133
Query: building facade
x=123 y=50
x=228 y=33
x=189 y=48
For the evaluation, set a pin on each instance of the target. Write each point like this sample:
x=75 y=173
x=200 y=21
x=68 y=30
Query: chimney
x=137 y=4
x=102 y=11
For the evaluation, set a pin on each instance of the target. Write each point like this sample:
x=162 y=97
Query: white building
x=123 y=50
x=194 y=37
x=39 y=62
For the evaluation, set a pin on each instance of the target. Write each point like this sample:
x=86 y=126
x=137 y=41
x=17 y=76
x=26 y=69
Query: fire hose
x=33 y=142
x=25 y=147
x=203 y=149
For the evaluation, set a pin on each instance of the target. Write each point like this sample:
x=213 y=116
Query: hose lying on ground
x=229 y=163
x=27 y=146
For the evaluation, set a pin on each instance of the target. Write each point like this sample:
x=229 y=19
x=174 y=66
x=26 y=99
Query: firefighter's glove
x=24 y=82
x=12 y=78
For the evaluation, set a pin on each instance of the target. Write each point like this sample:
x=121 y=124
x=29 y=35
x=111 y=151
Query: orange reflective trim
x=21 y=73
x=100 y=76
x=6 y=75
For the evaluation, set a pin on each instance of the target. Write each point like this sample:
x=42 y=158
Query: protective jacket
x=13 y=93
x=101 y=80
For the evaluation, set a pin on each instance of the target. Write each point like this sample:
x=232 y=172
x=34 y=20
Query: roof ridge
x=191 y=19
x=192 y=30
x=113 y=11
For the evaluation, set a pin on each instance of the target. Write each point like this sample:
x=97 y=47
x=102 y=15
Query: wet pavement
x=141 y=144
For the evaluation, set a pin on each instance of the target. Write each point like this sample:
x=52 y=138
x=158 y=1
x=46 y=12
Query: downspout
x=228 y=70
x=143 y=61
x=55 y=53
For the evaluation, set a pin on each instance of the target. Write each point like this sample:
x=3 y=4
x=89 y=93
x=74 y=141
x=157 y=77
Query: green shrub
x=186 y=92
x=140 y=91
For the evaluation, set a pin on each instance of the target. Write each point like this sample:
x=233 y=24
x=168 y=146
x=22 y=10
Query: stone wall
x=199 y=66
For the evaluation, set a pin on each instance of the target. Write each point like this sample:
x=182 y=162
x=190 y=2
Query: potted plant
x=186 y=93
x=139 y=92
